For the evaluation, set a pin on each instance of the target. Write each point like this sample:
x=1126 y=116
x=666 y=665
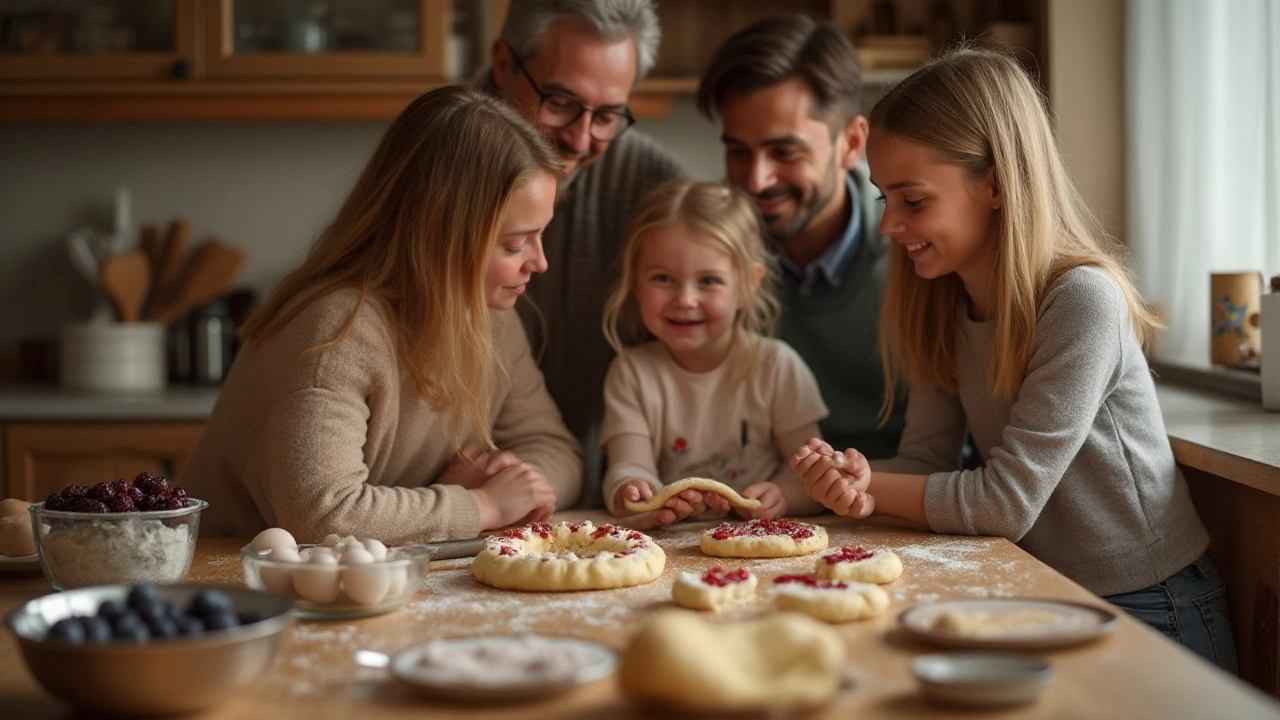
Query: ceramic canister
x=113 y=357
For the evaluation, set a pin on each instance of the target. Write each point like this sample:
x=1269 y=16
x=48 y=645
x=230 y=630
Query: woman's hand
x=773 y=504
x=471 y=468
x=838 y=481
x=677 y=508
x=517 y=492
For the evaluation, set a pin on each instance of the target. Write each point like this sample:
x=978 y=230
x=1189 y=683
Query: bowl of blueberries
x=140 y=532
x=145 y=649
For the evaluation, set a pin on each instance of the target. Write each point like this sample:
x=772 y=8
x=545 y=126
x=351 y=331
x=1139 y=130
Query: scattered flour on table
x=502 y=661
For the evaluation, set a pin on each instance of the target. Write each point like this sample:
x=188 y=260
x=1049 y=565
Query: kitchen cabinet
x=41 y=458
x=203 y=60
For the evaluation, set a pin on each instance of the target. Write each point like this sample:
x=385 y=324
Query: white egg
x=317 y=579
x=396 y=577
x=279 y=580
x=310 y=552
x=273 y=538
x=376 y=549
x=364 y=581
x=332 y=539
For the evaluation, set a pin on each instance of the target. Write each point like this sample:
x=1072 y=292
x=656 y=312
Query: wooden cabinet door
x=46 y=457
x=316 y=40
x=115 y=40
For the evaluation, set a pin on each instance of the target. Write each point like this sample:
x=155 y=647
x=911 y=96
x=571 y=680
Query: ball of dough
x=858 y=564
x=713 y=589
x=15 y=536
x=783 y=660
x=834 y=601
x=12 y=507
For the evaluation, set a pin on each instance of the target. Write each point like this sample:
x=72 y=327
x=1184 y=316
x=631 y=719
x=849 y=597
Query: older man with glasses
x=569 y=66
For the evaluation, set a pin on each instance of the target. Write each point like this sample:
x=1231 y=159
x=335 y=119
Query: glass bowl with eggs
x=338 y=578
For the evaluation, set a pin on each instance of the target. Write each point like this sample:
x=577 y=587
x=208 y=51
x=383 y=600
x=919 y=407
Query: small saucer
x=981 y=679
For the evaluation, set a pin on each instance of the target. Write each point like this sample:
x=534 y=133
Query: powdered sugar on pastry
x=858 y=564
x=763 y=538
x=833 y=601
x=713 y=589
x=568 y=556
x=693 y=483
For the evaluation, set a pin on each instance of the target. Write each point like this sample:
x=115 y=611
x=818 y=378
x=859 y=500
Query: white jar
x=113 y=357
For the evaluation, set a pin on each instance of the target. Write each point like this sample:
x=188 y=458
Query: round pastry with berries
x=713 y=589
x=763 y=538
x=568 y=556
x=858 y=564
x=833 y=601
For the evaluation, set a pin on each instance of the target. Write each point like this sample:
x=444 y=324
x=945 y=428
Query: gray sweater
x=1078 y=469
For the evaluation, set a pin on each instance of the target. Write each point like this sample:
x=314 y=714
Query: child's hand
x=717 y=504
x=773 y=504
x=471 y=468
x=634 y=490
x=678 y=507
x=837 y=480
x=515 y=493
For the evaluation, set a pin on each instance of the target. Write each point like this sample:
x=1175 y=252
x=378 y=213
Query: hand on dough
x=677 y=508
x=773 y=504
x=840 y=485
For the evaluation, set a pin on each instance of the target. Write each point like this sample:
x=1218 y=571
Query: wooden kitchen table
x=1133 y=672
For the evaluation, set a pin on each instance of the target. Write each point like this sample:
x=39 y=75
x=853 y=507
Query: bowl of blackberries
x=145 y=649
x=117 y=532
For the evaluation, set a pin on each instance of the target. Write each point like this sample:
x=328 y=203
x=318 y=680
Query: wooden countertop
x=1224 y=436
x=1133 y=672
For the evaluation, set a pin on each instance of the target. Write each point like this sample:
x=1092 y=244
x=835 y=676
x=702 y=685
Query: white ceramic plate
x=981 y=679
x=19 y=564
x=598 y=662
x=1071 y=623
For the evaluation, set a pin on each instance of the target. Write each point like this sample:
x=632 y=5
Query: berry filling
x=717 y=577
x=847 y=554
x=810 y=581
x=762 y=527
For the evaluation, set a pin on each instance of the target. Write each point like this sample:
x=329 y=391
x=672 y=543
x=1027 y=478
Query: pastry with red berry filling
x=763 y=538
x=713 y=589
x=568 y=556
x=833 y=601
x=858 y=564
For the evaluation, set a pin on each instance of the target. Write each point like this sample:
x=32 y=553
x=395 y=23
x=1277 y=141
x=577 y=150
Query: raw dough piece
x=16 y=537
x=834 y=601
x=859 y=565
x=10 y=507
x=713 y=589
x=763 y=538
x=568 y=556
x=976 y=623
x=782 y=660
x=693 y=483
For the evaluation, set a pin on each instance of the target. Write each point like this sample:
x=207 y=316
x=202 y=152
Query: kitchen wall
x=266 y=188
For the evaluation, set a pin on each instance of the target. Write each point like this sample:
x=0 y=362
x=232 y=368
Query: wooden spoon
x=210 y=272
x=127 y=280
x=168 y=268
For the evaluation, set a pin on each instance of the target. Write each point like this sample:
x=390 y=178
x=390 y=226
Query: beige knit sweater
x=339 y=442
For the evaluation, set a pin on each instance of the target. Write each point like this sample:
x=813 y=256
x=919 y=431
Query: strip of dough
x=692 y=483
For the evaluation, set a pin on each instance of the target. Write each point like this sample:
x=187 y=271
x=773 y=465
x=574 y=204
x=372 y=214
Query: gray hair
x=527 y=22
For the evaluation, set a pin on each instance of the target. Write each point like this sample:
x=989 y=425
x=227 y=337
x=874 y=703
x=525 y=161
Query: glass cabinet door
x=98 y=39
x=391 y=39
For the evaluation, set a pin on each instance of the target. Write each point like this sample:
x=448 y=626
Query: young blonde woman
x=1008 y=316
x=386 y=389
x=704 y=393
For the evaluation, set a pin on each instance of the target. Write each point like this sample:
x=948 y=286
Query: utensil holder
x=113 y=357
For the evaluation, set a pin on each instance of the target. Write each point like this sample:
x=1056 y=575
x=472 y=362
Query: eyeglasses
x=558 y=110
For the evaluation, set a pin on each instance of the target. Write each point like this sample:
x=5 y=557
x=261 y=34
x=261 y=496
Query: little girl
x=394 y=348
x=1006 y=315
x=704 y=393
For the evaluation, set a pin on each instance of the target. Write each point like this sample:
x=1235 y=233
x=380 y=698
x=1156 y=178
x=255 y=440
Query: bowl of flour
x=78 y=549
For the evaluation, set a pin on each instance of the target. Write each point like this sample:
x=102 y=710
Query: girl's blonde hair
x=726 y=216
x=416 y=235
x=980 y=110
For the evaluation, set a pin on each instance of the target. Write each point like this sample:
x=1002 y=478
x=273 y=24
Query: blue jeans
x=1191 y=608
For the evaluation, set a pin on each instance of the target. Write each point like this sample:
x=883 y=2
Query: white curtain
x=1203 y=151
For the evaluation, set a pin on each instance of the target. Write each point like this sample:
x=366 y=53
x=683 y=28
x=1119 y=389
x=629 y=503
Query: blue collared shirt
x=829 y=269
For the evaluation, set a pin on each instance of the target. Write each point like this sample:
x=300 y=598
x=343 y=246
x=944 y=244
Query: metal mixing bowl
x=159 y=676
